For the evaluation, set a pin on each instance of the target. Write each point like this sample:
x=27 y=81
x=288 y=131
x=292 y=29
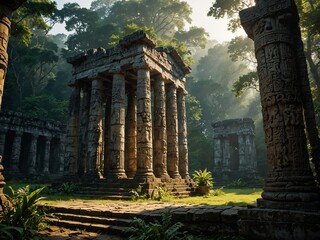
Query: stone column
x=15 y=156
x=160 y=129
x=2 y=141
x=218 y=158
x=33 y=154
x=131 y=134
x=72 y=138
x=46 y=160
x=6 y=10
x=182 y=133
x=274 y=27
x=84 y=122
x=62 y=149
x=95 y=129
x=144 y=126
x=172 y=131
x=226 y=153
x=117 y=128
x=243 y=157
x=107 y=136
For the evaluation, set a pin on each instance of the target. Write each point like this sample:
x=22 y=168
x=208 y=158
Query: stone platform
x=113 y=218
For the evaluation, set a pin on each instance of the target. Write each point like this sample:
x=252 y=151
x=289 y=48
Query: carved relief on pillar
x=15 y=155
x=275 y=35
x=95 y=130
x=243 y=157
x=160 y=129
x=107 y=132
x=226 y=153
x=172 y=131
x=47 y=150
x=218 y=143
x=72 y=136
x=117 y=131
x=131 y=134
x=32 y=154
x=182 y=134
x=84 y=122
x=144 y=125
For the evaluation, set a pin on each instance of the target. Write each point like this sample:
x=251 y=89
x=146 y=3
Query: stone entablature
x=234 y=149
x=31 y=146
x=127 y=112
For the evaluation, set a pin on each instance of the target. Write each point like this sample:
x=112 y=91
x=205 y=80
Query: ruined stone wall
x=31 y=146
x=234 y=149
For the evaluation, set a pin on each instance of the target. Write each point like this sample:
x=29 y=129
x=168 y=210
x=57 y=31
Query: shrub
x=21 y=216
x=217 y=192
x=203 y=178
x=68 y=188
x=164 y=230
x=161 y=193
x=138 y=194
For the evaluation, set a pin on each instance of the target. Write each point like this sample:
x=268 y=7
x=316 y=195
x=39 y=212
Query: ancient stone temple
x=127 y=113
x=288 y=111
x=234 y=149
x=31 y=147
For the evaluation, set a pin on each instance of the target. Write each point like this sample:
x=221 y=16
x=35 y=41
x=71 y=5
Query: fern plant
x=164 y=230
x=138 y=194
x=203 y=178
x=20 y=209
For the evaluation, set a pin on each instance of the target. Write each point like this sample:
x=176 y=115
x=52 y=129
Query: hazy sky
x=216 y=28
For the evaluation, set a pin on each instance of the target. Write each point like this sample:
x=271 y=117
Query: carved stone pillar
x=172 y=127
x=33 y=154
x=84 y=122
x=2 y=141
x=218 y=153
x=107 y=136
x=6 y=9
x=274 y=27
x=226 y=153
x=144 y=125
x=95 y=129
x=131 y=134
x=62 y=148
x=46 y=159
x=160 y=129
x=72 y=138
x=117 y=130
x=243 y=157
x=15 y=156
x=182 y=133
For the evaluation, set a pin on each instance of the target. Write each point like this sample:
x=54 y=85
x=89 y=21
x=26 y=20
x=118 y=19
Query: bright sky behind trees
x=217 y=29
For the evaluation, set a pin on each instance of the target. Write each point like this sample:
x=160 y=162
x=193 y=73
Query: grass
x=231 y=196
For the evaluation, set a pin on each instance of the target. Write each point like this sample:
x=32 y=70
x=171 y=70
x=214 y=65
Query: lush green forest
x=223 y=83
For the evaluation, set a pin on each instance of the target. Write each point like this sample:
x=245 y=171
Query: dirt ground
x=57 y=233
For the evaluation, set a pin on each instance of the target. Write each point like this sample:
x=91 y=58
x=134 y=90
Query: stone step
x=92 y=219
x=90 y=227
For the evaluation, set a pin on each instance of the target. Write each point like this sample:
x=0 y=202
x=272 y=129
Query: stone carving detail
x=134 y=136
x=273 y=25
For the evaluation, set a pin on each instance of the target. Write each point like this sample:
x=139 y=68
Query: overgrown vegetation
x=157 y=230
x=21 y=217
x=138 y=194
x=203 y=178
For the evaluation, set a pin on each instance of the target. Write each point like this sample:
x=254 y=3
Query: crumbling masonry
x=127 y=113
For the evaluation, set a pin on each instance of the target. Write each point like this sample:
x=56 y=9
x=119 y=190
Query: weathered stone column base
x=259 y=224
x=117 y=174
x=144 y=176
x=92 y=175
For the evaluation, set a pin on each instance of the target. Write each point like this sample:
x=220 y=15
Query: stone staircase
x=121 y=189
x=90 y=221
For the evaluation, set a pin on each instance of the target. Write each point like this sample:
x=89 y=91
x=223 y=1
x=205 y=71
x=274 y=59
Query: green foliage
x=245 y=82
x=203 y=177
x=21 y=210
x=161 y=194
x=138 y=194
x=164 y=230
x=45 y=107
x=10 y=232
x=217 y=192
x=67 y=188
x=239 y=183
